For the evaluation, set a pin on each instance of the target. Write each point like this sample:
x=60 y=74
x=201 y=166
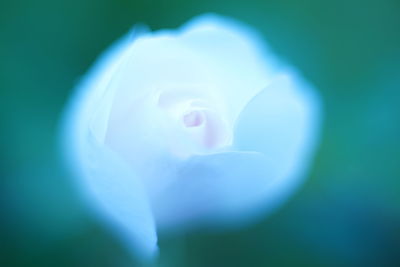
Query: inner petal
x=193 y=119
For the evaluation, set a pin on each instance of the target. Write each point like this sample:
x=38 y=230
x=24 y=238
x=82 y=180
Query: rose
x=195 y=127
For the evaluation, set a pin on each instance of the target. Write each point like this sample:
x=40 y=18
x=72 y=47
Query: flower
x=201 y=126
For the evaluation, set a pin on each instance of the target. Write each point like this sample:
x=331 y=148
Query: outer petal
x=110 y=186
x=221 y=188
x=235 y=52
x=282 y=122
x=118 y=196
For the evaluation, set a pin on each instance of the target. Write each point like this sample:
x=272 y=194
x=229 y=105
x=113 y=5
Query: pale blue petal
x=109 y=185
x=219 y=189
x=282 y=122
x=236 y=52
x=116 y=193
x=91 y=103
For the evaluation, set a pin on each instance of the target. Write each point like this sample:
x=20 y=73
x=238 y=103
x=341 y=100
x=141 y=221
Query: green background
x=346 y=214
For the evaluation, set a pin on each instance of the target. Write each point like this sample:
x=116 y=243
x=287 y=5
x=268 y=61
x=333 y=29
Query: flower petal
x=109 y=185
x=222 y=188
x=92 y=102
x=235 y=52
x=281 y=122
x=118 y=196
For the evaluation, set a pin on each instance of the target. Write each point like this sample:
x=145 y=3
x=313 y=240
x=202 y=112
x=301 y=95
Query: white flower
x=192 y=127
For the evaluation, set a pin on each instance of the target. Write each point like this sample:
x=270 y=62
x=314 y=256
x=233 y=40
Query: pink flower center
x=193 y=119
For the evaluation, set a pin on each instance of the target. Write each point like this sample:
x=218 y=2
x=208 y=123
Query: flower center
x=194 y=122
x=193 y=119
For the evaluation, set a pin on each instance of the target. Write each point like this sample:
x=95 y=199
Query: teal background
x=346 y=214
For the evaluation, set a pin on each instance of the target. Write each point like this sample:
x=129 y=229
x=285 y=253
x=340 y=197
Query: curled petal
x=282 y=122
x=236 y=53
x=117 y=194
x=109 y=185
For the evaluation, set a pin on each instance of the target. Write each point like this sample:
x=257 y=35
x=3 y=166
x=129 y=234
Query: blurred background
x=346 y=214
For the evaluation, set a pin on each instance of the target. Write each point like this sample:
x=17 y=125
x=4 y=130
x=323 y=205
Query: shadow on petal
x=282 y=122
x=222 y=189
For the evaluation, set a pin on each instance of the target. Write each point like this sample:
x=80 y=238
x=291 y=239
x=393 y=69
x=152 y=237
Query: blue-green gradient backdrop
x=346 y=214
